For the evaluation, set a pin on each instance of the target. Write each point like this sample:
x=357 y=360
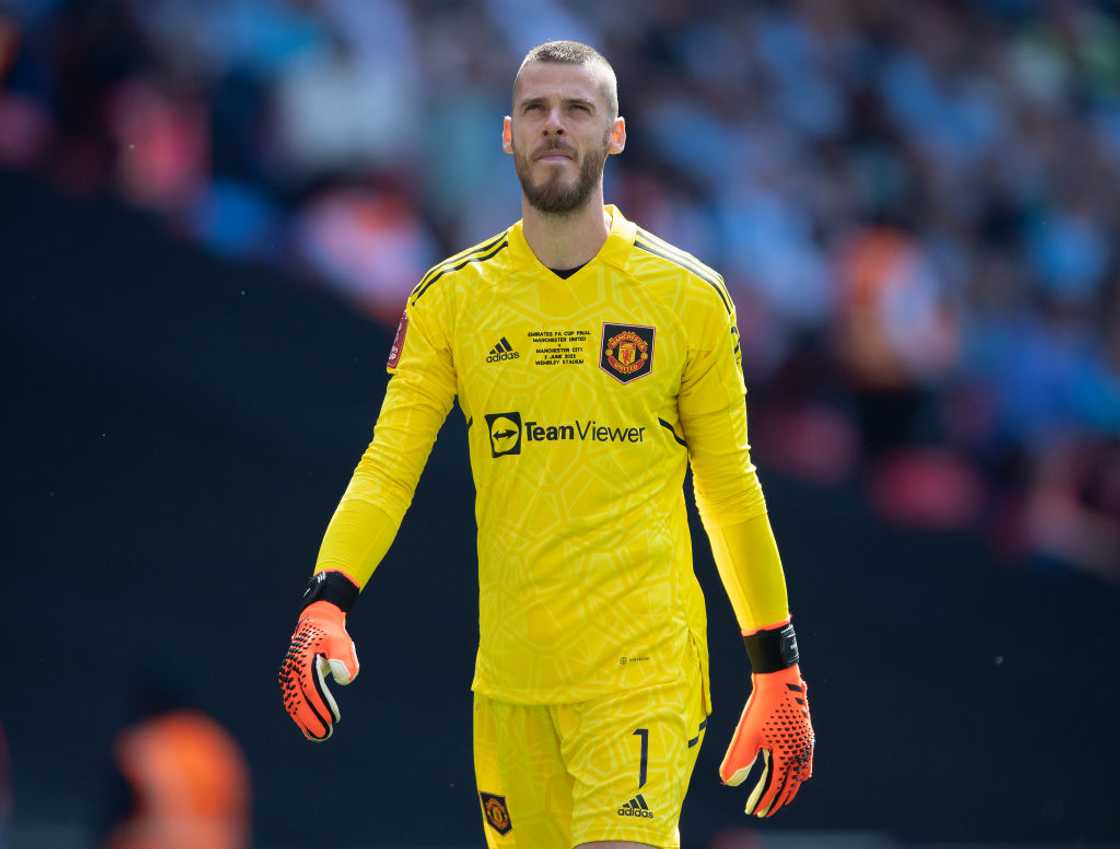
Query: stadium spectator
x=910 y=197
x=182 y=781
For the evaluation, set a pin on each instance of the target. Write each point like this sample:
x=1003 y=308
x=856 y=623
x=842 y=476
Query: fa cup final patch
x=626 y=351
x=398 y=341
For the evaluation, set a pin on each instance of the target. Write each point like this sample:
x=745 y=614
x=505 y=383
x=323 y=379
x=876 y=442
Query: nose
x=553 y=124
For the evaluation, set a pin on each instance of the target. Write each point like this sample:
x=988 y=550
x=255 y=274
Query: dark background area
x=210 y=216
x=179 y=431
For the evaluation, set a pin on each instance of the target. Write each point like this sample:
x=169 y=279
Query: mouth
x=554 y=155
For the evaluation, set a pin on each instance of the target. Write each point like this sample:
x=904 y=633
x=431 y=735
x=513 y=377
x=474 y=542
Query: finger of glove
x=785 y=795
x=737 y=764
x=301 y=695
x=762 y=786
x=322 y=673
x=768 y=801
x=741 y=751
x=792 y=790
x=313 y=726
x=342 y=656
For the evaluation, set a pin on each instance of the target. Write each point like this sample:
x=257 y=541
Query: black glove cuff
x=333 y=587
x=772 y=651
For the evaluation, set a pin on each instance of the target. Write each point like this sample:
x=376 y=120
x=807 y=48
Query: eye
x=581 y=107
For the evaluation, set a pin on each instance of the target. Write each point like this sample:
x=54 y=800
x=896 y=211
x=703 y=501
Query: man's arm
x=417 y=400
x=775 y=722
x=732 y=507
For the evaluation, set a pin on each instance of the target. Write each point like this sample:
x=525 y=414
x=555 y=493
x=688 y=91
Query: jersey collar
x=615 y=250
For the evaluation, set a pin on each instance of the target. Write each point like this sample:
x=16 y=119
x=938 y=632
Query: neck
x=565 y=241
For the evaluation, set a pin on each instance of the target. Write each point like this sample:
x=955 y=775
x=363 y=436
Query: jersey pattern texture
x=578 y=394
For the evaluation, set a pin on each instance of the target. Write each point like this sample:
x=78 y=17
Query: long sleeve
x=728 y=493
x=417 y=400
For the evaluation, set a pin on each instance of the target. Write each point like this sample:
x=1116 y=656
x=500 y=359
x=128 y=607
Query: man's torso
x=569 y=387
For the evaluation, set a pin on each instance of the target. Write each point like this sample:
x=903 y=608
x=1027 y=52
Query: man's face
x=560 y=134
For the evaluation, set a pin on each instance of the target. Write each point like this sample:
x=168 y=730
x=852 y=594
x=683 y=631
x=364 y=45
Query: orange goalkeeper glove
x=320 y=648
x=775 y=724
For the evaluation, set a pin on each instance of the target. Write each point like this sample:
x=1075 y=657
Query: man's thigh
x=612 y=770
x=631 y=757
x=525 y=792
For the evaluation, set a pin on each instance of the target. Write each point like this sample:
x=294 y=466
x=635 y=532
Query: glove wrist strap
x=334 y=587
x=772 y=651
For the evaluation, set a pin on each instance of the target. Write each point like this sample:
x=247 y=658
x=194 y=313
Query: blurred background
x=210 y=215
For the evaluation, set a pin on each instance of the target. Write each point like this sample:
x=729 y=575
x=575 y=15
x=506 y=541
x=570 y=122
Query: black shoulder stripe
x=452 y=260
x=679 y=258
x=708 y=274
x=462 y=264
x=685 y=258
x=458 y=257
x=687 y=266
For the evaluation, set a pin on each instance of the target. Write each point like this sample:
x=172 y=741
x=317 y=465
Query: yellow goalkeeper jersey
x=584 y=398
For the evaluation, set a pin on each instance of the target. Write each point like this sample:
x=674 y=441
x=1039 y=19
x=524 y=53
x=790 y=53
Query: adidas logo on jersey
x=502 y=351
x=636 y=807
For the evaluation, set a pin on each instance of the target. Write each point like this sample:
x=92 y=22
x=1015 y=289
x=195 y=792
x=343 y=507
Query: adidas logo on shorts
x=502 y=351
x=636 y=807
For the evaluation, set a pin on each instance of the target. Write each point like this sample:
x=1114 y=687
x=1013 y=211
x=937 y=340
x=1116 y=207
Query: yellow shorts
x=614 y=768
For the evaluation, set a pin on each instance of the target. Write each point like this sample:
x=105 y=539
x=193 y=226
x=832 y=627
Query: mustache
x=564 y=149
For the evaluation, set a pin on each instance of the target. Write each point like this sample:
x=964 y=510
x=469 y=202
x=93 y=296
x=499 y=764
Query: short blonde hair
x=574 y=53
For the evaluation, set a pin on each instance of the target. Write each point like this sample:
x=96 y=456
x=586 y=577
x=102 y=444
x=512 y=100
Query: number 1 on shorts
x=644 y=734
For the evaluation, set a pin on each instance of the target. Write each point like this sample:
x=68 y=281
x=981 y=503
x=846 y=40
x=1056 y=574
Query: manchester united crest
x=627 y=351
x=497 y=814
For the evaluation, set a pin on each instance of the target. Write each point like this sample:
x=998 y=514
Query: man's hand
x=320 y=648
x=776 y=726
x=776 y=723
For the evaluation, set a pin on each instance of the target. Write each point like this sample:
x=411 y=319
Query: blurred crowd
x=916 y=205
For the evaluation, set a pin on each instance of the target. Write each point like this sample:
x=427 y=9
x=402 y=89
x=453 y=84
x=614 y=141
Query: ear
x=507 y=134
x=618 y=136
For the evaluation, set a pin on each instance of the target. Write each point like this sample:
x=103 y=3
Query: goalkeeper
x=593 y=362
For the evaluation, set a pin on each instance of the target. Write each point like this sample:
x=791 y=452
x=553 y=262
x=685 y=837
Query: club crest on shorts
x=496 y=812
x=626 y=351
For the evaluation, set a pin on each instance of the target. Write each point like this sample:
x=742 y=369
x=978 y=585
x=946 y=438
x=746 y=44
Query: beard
x=552 y=195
